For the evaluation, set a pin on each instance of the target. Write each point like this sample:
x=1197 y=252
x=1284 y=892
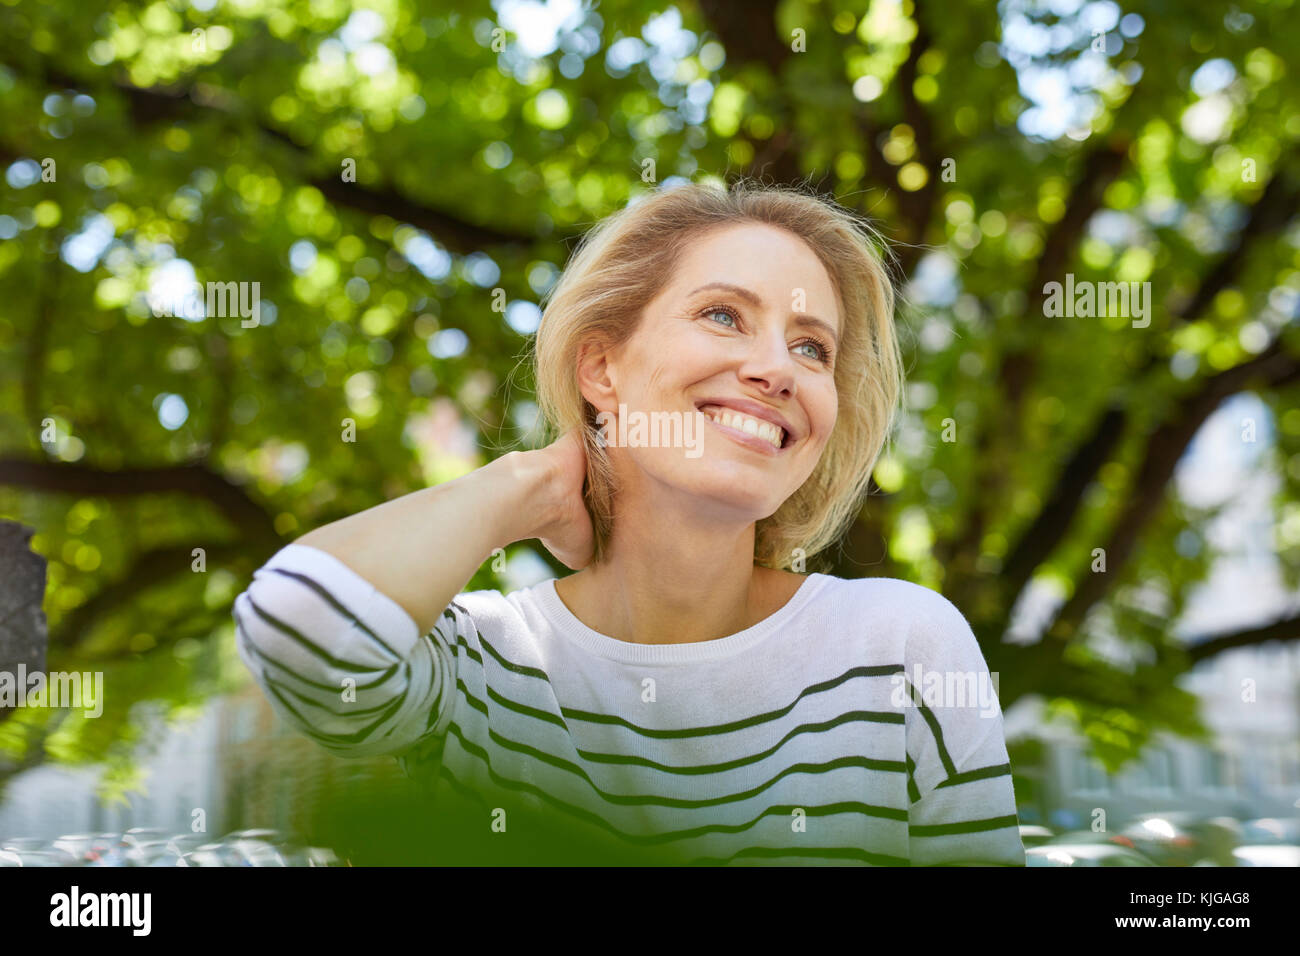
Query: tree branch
x=1018 y=364
x=917 y=208
x=154 y=105
x=34 y=364
x=197 y=480
x=1283 y=629
x=150 y=568
x=1272 y=368
x=747 y=31
x=1101 y=168
x=1054 y=520
x=1269 y=213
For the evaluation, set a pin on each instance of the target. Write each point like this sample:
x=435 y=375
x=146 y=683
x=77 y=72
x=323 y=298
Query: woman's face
x=745 y=334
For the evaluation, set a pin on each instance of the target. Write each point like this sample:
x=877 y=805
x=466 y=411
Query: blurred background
x=379 y=193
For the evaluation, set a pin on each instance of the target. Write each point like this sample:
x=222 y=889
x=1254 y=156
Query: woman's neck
x=670 y=577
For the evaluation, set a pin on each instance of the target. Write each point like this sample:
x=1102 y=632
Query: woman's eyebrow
x=755 y=300
x=803 y=319
x=751 y=297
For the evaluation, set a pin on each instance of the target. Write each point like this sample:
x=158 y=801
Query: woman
x=683 y=691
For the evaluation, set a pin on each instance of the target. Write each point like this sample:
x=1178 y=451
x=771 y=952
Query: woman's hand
x=567 y=531
x=421 y=549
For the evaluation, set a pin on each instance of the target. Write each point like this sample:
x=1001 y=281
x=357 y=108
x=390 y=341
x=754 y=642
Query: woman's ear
x=594 y=377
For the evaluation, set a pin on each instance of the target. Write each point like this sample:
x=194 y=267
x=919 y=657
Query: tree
x=380 y=176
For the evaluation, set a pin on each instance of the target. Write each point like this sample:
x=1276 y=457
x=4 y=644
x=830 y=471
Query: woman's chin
x=736 y=495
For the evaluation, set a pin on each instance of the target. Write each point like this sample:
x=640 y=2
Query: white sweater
x=800 y=740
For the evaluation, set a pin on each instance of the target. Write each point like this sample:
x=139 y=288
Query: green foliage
x=225 y=137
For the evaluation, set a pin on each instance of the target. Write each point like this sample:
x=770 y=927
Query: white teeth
x=750 y=426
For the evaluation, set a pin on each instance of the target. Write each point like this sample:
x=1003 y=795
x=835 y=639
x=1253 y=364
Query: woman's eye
x=722 y=312
x=822 y=351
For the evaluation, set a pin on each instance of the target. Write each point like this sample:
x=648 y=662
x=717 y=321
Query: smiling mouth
x=757 y=428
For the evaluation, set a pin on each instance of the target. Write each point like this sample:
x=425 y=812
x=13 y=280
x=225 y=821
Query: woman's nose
x=770 y=366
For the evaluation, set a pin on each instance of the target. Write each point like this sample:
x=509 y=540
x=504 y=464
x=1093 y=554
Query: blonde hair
x=628 y=257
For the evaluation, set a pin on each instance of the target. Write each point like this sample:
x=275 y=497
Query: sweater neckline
x=567 y=624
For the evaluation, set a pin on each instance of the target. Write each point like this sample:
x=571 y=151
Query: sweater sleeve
x=340 y=661
x=962 y=803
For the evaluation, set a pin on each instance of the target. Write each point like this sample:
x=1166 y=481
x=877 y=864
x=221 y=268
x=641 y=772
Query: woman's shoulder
x=494 y=610
x=486 y=601
x=927 y=618
x=882 y=591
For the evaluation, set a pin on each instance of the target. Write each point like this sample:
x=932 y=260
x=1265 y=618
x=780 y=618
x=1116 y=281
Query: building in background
x=1250 y=767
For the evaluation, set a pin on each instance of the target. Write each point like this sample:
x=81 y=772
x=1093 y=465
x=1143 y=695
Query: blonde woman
x=683 y=691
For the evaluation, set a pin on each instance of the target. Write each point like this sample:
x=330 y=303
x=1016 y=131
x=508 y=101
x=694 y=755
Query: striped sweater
x=856 y=725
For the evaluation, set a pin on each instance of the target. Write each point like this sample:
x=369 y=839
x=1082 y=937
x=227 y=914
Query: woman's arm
x=350 y=631
x=962 y=803
x=339 y=661
x=421 y=549
x=969 y=818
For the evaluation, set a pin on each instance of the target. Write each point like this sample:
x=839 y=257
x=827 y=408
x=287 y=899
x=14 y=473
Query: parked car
x=151 y=853
x=1033 y=835
x=64 y=857
x=212 y=854
x=1278 y=855
x=1184 y=838
x=1271 y=831
x=1269 y=841
x=185 y=843
x=149 y=846
x=22 y=843
x=1084 y=854
x=36 y=858
x=312 y=856
x=81 y=846
x=274 y=837
x=1074 y=837
x=257 y=853
x=108 y=849
x=137 y=835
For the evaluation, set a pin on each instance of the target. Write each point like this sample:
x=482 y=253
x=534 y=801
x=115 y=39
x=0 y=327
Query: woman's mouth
x=746 y=429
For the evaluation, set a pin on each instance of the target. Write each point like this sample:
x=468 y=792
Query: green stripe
x=623 y=759
x=963 y=826
x=637 y=800
x=359 y=736
x=263 y=655
x=881 y=670
x=970 y=863
x=636 y=839
x=338 y=740
x=888 y=717
x=842 y=853
x=933 y=722
x=314 y=649
x=357 y=712
x=979 y=773
x=334 y=603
